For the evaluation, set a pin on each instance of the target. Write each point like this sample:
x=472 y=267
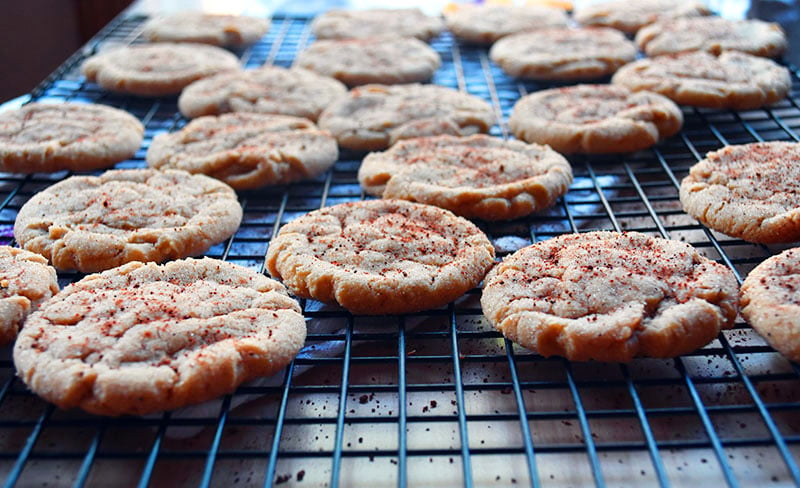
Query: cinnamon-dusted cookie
x=610 y=296
x=372 y=60
x=563 y=53
x=151 y=70
x=93 y=223
x=477 y=176
x=267 y=90
x=595 y=119
x=714 y=35
x=629 y=17
x=47 y=137
x=486 y=23
x=246 y=150
x=358 y=24
x=751 y=191
x=733 y=80
x=770 y=301
x=25 y=282
x=373 y=117
x=206 y=28
x=380 y=256
x=143 y=337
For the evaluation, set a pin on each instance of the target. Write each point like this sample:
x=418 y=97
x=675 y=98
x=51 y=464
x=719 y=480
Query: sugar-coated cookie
x=358 y=24
x=206 y=28
x=25 y=282
x=143 y=337
x=48 y=137
x=629 y=17
x=477 y=176
x=93 y=223
x=380 y=256
x=610 y=296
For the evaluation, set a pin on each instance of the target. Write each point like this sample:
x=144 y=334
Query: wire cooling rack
x=439 y=398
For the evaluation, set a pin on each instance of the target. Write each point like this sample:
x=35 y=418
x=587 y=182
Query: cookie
x=771 y=304
x=266 y=90
x=152 y=70
x=47 y=137
x=380 y=256
x=594 y=119
x=93 y=223
x=373 y=117
x=486 y=23
x=477 y=176
x=563 y=54
x=25 y=282
x=610 y=297
x=749 y=191
x=733 y=80
x=206 y=28
x=144 y=337
x=373 y=60
x=629 y=17
x=359 y=24
x=246 y=150
x=714 y=35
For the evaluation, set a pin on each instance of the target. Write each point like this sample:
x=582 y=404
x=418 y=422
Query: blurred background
x=38 y=35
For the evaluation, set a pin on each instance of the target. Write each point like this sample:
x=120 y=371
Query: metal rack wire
x=439 y=398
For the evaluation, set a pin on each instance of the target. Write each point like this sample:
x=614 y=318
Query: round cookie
x=373 y=60
x=143 y=337
x=594 y=119
x=373 y=117
x=610 y=296
x=770 y=301
x=629 y=17
x=360 y=24
x=267 y=90
x=151 y=70
x=246 y=150
x=733 y=80
x=206 y=28
x=477 y=176
x=47 y=137
x=563 y=53
x=93 y=223
x=380 y=256
x=749 y=191
x=25 y=282
x=714 y=35
x=486 y=23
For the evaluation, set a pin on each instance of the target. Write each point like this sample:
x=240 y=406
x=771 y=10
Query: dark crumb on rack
x=282 y=478
x=393 y=461
x=642 y=472
x=301 y=474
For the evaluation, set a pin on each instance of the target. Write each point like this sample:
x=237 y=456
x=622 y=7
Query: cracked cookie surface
x=563 y=53
x=358 y=24
x=159 y=69
x=25 y=282
x=384 y=60
x=486 y=23
x=714 y=35
x=205 y=28
x=629 y=17
x=770 y=301
x=380 y=256
x=477 y=176
x=610 y=296
x=749 y=191
x=92 y=223
x=246 y=150
x=595 y=119
x=267 y=90
x=731 y=80
x=373 y=117
x=48 y=137
x=143 y=337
